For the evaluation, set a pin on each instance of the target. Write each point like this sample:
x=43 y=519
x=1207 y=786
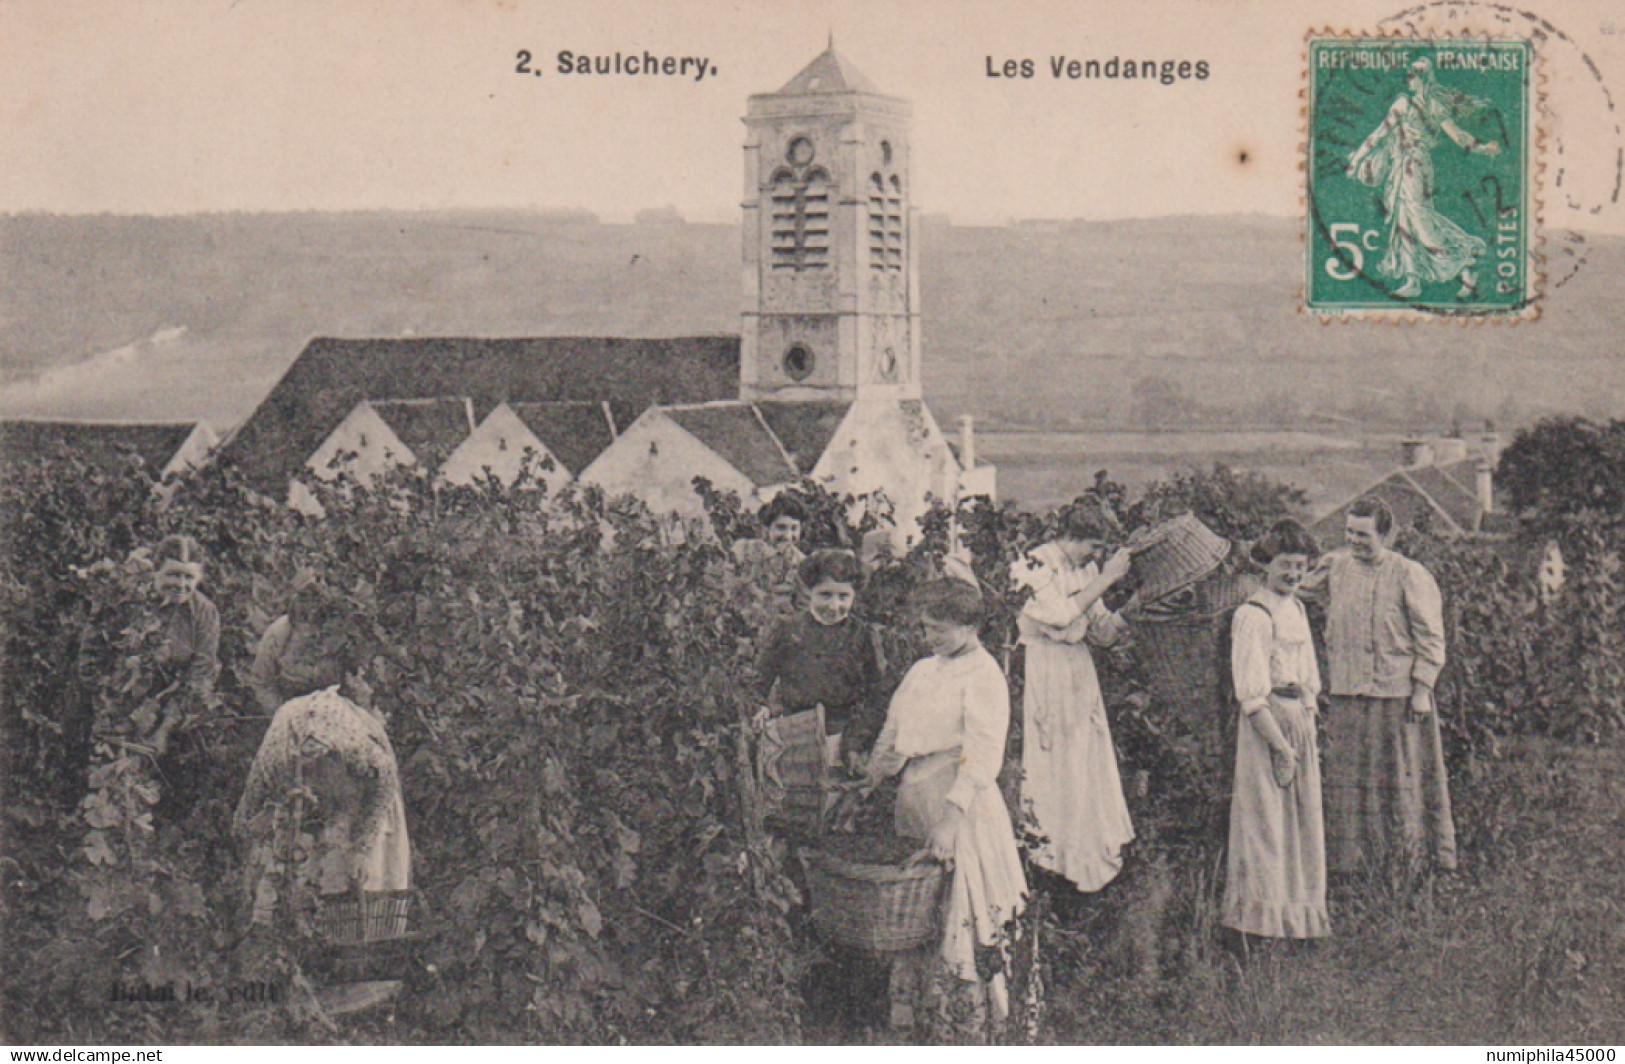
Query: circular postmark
x=1432 y=164
x=1583 y=150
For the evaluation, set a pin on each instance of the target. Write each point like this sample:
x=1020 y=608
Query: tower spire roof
x=830 y=73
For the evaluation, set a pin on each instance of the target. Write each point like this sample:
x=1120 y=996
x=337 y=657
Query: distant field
x=1042 y=469
x=198 y=316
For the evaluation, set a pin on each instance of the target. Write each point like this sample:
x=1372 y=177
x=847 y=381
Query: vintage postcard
x=871 y=522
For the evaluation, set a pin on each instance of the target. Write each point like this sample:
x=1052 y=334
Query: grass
x=1525 y=945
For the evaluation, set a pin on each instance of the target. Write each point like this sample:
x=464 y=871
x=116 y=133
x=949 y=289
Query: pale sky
x=161 y=106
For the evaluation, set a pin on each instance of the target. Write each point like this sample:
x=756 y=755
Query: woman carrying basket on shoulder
x=945 y=732
x=1070 y=779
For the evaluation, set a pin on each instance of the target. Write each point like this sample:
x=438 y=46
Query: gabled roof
x=804 y=429
x=575 y=433
x=432 y=428
x=830 y=73
x=101 y=443
x=1444 y=486
x=740 y=437
x=1441 y=497
x=331 y=376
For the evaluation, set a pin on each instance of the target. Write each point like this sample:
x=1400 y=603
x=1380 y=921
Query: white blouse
x=1053 y=613
x=1270 y=647
x=949 y=704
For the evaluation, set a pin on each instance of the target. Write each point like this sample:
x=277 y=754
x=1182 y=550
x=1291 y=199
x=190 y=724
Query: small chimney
x=1415 y=452
x=1450 y=450
x=967 y=441
x=1486 y=486
x=1489 y=445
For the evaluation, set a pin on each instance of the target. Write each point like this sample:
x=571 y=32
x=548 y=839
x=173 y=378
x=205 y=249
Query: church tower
x=832 y=304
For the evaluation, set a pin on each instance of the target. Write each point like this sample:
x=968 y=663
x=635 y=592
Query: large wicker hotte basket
x=1184 y=648
x=1173 y=555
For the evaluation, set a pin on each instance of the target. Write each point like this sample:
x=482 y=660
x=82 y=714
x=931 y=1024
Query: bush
x=565 y=679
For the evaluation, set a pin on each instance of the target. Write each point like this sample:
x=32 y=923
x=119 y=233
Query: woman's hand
x=1421 y=700
x=857 y=764
x=945 y=833
x=1280 y=730
x=1316 y=578
x=1117 y=566
x=1272 y=729
x=360 y=691
x=1292 y=725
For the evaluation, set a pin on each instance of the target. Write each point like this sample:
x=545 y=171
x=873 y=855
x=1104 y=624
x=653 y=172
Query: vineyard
x=566 y=681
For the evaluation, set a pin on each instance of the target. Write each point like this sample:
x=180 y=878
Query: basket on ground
x=876 y=907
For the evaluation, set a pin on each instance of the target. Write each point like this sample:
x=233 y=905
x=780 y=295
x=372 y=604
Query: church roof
x=739 y=436
x=432 y=428
x=100 y=443
x=331 y=376
x=769 y=442
x=829 y=74
x=575 y=433
x=804 y=429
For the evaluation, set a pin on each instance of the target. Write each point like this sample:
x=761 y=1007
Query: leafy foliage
x=565 y=682
x=1564 y=466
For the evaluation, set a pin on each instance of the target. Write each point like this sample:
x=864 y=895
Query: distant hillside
x=198 y=316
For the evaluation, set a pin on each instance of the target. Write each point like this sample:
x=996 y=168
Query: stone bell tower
x=832 y=301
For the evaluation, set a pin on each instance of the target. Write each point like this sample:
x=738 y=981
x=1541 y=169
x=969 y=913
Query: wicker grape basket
x=797 y=794
x=364 y=938
x=374 y=916
x=1183 y=654
x=875 y=907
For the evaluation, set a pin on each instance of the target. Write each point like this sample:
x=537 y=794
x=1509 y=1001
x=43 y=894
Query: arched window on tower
x=800 y=221
x=877 y=222
x=885 y=223
x=894 y=225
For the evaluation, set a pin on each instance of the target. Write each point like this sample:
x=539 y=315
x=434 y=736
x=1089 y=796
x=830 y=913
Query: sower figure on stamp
x=1385 y=786
x=1423 y=245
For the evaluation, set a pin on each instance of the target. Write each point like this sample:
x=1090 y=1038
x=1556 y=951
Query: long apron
x=988 y=888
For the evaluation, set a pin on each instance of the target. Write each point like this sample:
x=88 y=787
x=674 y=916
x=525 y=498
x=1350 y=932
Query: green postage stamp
x=1421 y=172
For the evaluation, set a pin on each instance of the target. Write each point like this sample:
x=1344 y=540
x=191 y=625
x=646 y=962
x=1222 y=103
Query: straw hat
x=1173 y=555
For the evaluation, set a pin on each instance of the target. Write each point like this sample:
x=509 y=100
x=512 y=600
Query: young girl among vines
x=1275 y=884
x=945 y=732
x=325 y=769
